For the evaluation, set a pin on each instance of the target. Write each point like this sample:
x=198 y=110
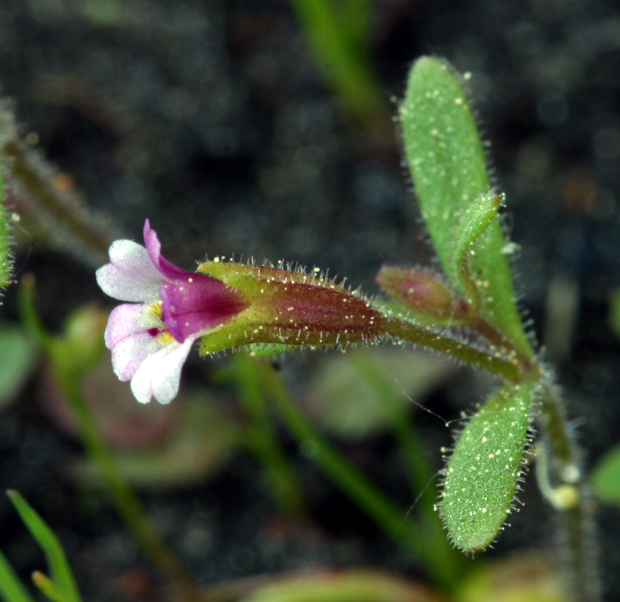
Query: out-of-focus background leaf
x=19 y=356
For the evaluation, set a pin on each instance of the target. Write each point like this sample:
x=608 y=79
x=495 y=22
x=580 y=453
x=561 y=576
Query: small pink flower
x=151 y=337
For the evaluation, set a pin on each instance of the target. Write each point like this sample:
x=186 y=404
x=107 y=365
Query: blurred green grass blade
x=5 y=262
x=606 y=477
x=448 y=167
x=56 y=559
x=344 y=55
x=11 y=588
x=357 y=14
x=47 y=587
x=485 y=467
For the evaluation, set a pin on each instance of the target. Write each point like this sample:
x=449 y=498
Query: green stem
x=60 y=212
x=407 y=437
x=265 y=442
x=571 y=498
x=420 y=474
x=502 y=344
x=125 y=500
x=443 y=341
x=123 y=497
x=388 y=515
x=5 y=262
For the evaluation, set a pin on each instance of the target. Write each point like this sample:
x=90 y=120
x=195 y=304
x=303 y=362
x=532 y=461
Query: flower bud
x=81 y=345
x=422 y=292
x=290 y=307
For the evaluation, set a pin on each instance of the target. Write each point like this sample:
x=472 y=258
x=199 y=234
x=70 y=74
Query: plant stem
x=374 y=502
x=502 y=344
x=406 y=435
x=571 y=498
x=421 y=477
x=59 y=210
x=125 y=500
x=265 y=443
x=492 y=361
x=5 y=261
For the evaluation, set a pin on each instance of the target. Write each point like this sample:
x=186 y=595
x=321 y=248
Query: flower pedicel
x=229 y=305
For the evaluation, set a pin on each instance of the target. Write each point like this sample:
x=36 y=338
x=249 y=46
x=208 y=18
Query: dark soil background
x=213 y=119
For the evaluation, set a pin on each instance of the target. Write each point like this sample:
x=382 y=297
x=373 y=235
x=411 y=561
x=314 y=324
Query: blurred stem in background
x=264 y=439
x=421 y=476
x=439 y=560
x=5 y=264
x=68 y=377
x=53 y=209
x=339 y=33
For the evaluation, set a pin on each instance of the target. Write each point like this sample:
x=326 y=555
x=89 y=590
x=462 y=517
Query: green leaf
x=606 y=477
x=483 y=472
x=524 y=577
x=11 y=588
x=56 y=559
x=476 y=218
x=343 y=586
x=344 y=54
x=448 y=167
x=19 y=357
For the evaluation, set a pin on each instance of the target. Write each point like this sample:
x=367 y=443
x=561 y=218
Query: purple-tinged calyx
x=291 y=308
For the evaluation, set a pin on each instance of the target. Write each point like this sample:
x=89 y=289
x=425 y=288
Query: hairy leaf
x=485 y=467
x=448 y=166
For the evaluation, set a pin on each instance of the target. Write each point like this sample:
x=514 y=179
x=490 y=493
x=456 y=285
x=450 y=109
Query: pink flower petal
x=127 y=320
x=197 y=304
x=139 y=336
x=153 y=246
x=130 y=275
x=131 y=335
x=159 y=374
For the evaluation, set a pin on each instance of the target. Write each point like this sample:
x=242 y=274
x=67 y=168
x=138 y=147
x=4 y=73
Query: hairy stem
x=59 y=209
x=569 y=495
x=370 y=499
x=493 y=361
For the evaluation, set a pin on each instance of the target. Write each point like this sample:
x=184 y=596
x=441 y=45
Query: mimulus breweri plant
x=469 y=314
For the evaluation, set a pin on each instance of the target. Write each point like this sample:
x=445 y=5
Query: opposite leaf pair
x=229 y=305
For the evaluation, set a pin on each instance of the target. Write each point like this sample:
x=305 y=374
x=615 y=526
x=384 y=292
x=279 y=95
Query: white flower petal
x=130 y=275
x=127 y=336
x=129 y=319
x=131 y=353
x=159 y=374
